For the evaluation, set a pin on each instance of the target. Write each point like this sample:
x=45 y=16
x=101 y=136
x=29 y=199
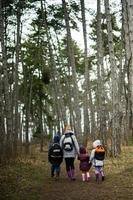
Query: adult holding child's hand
x=70 y=146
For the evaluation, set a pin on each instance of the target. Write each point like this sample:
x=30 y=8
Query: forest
x=63 y=62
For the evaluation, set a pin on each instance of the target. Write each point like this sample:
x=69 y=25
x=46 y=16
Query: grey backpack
x=68 y=143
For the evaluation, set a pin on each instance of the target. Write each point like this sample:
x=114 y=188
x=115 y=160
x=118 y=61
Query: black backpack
x=100 y=153
x=68 y=145
x=55 y=151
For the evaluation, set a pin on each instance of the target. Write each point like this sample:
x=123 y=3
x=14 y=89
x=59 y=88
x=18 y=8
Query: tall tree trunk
x=6 y=87
x=56 y=83
x=2 y=125
x=16 y=125
x=114 y=89
x=127 y=60
x=71 y=64
x=58 y=93
x=26 y=105
x=100 y=73
x=67 y=90
x=41 y=124
x=130 y=28
x=86 y=82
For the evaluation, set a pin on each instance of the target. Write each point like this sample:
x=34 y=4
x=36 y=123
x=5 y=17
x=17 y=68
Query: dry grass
x=29 y=179
x=121 y=163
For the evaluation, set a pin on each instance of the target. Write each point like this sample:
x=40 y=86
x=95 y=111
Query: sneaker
x=52 y=175
x=73 y=178
x=57 y=174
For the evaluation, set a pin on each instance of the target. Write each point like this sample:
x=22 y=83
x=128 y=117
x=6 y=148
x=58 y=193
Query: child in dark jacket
x=84 y=164
x=55 y=156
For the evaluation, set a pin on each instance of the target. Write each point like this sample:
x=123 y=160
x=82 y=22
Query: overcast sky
x=92 y=5
x=78 y=36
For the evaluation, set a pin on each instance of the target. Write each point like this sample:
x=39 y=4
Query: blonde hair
x=68 y=128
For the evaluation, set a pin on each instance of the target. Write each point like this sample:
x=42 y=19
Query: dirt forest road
x=117 y=186
x=29 y=179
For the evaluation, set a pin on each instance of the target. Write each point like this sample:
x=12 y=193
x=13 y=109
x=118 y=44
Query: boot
x=72 y=174
x=87 y=176
x=97 y=178
x=69 y=174
x=57 y=174
x=52 y=171
x=83 y=177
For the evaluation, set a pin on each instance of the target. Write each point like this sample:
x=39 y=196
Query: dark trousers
x=69 y=163
x=55 y=168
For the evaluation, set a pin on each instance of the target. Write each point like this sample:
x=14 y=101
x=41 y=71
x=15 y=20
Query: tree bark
x=114 y=89
x=71 y=64
x=56 y=88
x=100 y=74
x=86 y=77
x=130 y=28
x=6 y=87
x=18 y=42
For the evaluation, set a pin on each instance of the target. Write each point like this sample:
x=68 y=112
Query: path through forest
x=29 y=179
x=117 y=186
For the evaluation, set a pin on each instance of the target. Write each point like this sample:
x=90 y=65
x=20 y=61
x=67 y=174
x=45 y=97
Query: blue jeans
x=55 y=169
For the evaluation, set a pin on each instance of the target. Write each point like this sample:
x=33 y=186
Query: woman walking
x=70 y=146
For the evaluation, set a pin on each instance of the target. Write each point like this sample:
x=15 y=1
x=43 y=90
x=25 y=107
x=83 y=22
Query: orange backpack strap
x=100 y=153
x=100 y=149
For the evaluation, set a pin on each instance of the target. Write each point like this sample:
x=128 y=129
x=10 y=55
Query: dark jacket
x=55 y=153
x=84 y=160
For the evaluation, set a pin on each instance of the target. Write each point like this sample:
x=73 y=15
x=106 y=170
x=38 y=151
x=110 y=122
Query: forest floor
x=29 y=179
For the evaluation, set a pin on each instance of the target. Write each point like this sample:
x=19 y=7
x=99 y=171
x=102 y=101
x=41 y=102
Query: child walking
x=55 y=156
x=97 y=159
x=84 y=165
